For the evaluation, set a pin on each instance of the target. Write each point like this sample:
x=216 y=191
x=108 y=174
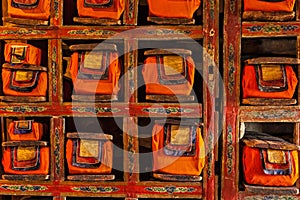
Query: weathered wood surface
x=155 y=52
x=91 y=136
x=94 y=46
x=269 y=102
x=170 y=177
x=21 y=99
x=271 y=190
x=268 y=16
x=24 y=67
x=95 y=98
x=273 y=60
x=95 y=21
x=91 y=177
x=25 y=177
x=169 y=98
x=174 y=21
x=24 y=143
x=27 y=22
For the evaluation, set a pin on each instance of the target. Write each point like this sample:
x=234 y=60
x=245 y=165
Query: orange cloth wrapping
x=38 y=88
x=269 y=6
x=250 y=86
x=254 y=174
x=31 y=9
x=22 y=53
x=183 y=165
x=35 y=132
x=106 y=160
x=87 y=86
x=153 y=85
x=43 y=163
x=92 y=8
x=173 y=8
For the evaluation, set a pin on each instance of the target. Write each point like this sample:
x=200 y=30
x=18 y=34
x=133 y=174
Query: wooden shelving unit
x=242 y=40
x=128 y=111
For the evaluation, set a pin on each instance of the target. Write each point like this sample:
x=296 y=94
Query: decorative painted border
x=231 y=69
x=230 y=150
x=131 y=153
x=272 y=28
x=169 y=110
x=131 y=9
x=167 y=32
x=23 y=109
x=91 y=32
x=95 y=189
x=271 y=197
x=170 y=189
x=210 y=155
x=232 y=6
x=23 y=31
x=95 y=110
x=272 y=114
x=56 y=10
x=57 y=152
x=24 y=188
x=54 y=71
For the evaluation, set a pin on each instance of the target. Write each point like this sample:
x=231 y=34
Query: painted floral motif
x=232 y=6
x=170 y=189
x=95 y=189
x=24 y=188
x=130 y=154
x=91 y=32
x=54 y=71
x=23 y=109
x=131 y=9
x=95 y=110
x=57 y=152
x=231 y=70
x=56 y=5
x=272 y=114
x=169 y=110
x=22 y=31
x=167 y=32
x=230 y=150
x=272 y=28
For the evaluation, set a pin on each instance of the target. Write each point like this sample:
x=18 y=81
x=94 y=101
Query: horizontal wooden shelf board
x=28 y=22
x=21 y=99
x=10 y=177
x=92 y=136
x=91 y=177
x=267 y=29
x=179 y=178
x=271 y=190
x=269 y=102
x=267 y=16
x=95 y=21
x=269 y=114
x=138 y=32
x=174 y=21
x=24 y=143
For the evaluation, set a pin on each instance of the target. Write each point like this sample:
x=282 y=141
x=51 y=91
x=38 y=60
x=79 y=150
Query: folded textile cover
x=29 y=9
x=173 y=8
x=101 y=8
